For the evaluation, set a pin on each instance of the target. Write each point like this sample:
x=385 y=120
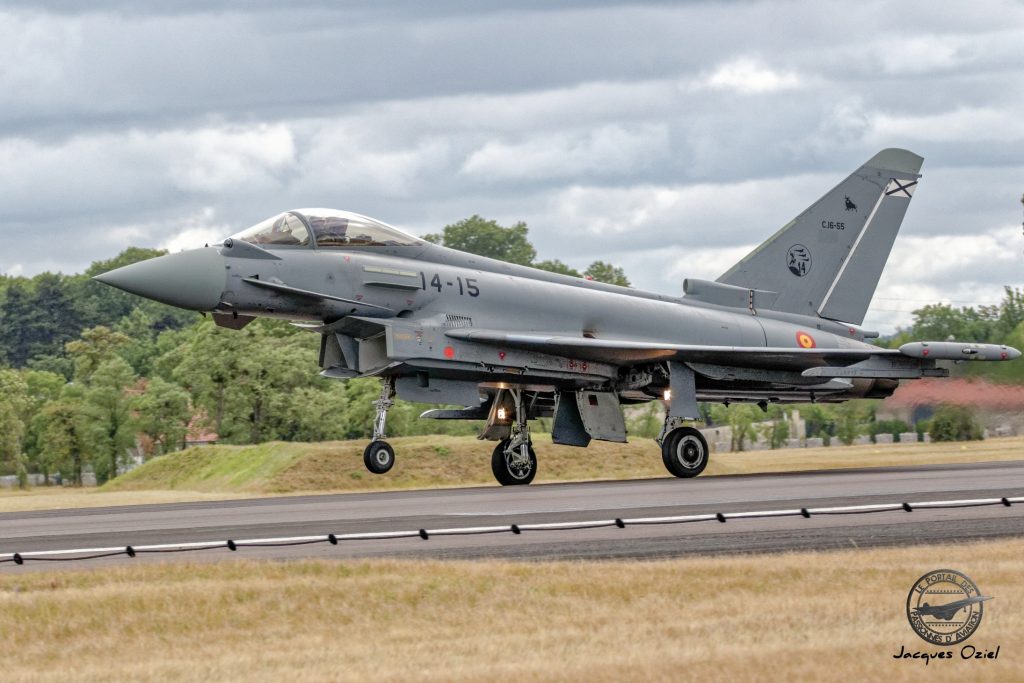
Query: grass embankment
x=806 y=616
x=429 y=461
x=210 y=472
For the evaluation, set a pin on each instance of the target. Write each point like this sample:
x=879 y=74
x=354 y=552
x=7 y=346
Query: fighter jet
x=948 y=611
x=506 y=343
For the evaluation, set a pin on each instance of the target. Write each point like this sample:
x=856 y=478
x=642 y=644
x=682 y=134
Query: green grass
x=215 y=468
x=434 y=461
x=227 y=472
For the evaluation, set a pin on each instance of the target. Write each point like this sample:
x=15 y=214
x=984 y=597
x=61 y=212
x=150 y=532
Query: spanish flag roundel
x=805 y=340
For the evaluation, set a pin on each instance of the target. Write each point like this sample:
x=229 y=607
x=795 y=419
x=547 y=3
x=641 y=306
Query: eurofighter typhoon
x=507 y=343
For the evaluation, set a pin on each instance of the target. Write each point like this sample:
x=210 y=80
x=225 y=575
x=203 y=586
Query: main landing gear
x=684 y=450
x=379 y=456
x=513 y=461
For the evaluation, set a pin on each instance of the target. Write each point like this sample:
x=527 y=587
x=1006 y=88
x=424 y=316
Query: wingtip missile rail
x=959 y=351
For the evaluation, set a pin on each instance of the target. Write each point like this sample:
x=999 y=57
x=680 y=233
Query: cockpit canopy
x=324 y=229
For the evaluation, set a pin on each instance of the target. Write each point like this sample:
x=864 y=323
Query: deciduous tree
x=62 y=435
x=163 y=412
x=95 y=346
x=108 y=417
x=607 y=273
x=556 y=266
x=13 y=403
x=488 y=238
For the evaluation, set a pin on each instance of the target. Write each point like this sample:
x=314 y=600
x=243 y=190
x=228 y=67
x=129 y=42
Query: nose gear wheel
x=379 y=457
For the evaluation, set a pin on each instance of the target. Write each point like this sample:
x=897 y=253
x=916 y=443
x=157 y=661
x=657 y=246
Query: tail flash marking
x=903 y=190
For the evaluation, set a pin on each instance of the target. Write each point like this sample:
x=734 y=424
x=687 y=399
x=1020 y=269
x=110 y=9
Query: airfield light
x=668 y=394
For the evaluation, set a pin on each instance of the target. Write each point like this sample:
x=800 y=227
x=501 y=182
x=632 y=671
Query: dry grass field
x=810 y=616
x=222 y=472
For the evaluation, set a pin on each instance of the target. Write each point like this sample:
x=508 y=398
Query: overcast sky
x=668 y=138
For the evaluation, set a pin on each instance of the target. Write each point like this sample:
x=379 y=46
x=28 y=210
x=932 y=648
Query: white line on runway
x=513 y=528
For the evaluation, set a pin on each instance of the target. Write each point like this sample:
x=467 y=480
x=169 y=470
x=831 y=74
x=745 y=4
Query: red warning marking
x=449 y=352
x=924 y=352
x=805 y=340
x=501 y=355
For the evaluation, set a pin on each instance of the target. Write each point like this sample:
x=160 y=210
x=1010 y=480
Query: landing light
x=668 y=394
x=501 y=413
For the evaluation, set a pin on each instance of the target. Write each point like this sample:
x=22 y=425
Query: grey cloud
x=667 y=134
x=437 y=9
x=117 y=69
x=149 y=70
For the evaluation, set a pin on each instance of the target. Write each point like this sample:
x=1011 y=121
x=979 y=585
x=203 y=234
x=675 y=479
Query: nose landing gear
x=379 y=456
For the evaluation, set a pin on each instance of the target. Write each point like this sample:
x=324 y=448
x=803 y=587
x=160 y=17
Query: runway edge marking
x=425 y=534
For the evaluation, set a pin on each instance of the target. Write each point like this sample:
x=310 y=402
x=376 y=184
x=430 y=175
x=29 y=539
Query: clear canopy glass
x=330 y=228
x=285 y=229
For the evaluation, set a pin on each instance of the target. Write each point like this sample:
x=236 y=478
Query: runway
x=482 y=506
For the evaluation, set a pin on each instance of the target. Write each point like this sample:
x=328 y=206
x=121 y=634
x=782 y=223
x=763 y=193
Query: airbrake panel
x=602 y=417
x=568 y=429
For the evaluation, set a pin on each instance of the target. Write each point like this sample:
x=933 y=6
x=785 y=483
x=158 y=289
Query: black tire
x=684 y=452
x=504 y=470
x=379 y=457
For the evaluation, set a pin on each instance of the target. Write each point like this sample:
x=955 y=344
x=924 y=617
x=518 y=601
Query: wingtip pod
x=959 y=351
x=896 y=159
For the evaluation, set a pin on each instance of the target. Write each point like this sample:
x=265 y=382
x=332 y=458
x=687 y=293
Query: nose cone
x=191 y=279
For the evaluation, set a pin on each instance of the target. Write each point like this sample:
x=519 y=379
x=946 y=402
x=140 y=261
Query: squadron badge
x=799 y=260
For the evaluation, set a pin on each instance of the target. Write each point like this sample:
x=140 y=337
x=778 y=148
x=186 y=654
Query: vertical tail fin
x=827 y=260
